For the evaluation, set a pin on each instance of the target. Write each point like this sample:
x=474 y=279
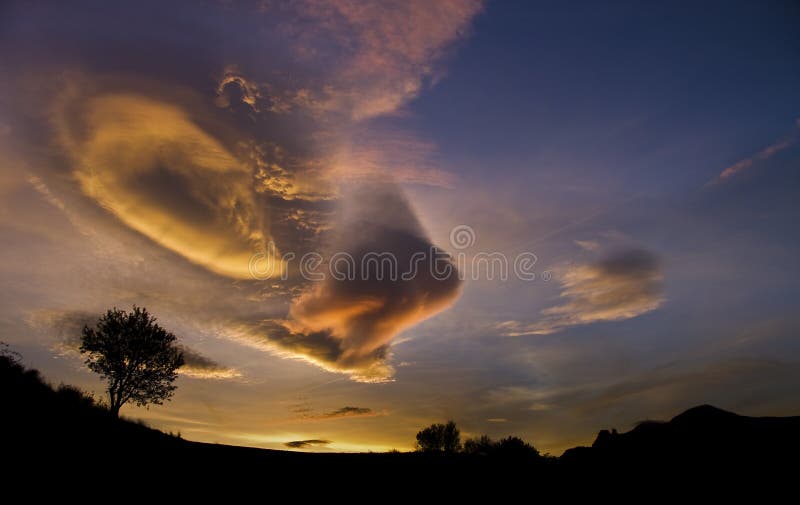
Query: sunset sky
x=184 y=157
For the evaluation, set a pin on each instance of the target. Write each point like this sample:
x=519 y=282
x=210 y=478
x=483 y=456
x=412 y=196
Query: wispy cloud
x=763 y=155
x=588 y=245
x=66 y=328
x=372 y=153
x=304 y=444
x=665 y=387
x=306 y=413
x=619 y=287
x=385 y=50
x=198 y=366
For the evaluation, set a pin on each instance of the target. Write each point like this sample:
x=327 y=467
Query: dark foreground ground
x=57 y=440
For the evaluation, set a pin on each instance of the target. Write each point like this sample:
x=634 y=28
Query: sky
x=595 y=204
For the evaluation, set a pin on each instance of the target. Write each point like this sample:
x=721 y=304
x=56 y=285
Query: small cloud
x=65 y=326
x=619 y=287
x=235 y=87
x=349 y=412
x=307 y=413
x=497 y=420
x=762 y=155
x=305 y=444
x=43 y=190
x=588 y=245
x=198 y=366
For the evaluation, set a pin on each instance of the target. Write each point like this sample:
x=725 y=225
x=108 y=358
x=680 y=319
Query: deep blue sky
x=619 y=84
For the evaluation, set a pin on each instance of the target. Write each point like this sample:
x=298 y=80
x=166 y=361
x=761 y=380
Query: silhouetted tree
x=515 y=447
x=440 y=438
x=137 y=357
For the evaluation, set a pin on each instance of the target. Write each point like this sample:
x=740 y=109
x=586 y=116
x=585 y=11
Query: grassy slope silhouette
x=63 y=430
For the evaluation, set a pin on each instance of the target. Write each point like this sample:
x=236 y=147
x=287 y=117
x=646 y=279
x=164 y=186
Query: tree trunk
x=114 y=409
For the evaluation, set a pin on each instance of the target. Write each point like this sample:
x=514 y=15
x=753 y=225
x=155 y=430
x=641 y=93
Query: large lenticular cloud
x=394 y=282
x=149 y=164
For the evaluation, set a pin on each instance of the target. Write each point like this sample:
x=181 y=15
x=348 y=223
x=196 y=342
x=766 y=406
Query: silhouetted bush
x=482 y=445
x=440 y=438
x=515 y=447
x=75 y=396
x=509 y=447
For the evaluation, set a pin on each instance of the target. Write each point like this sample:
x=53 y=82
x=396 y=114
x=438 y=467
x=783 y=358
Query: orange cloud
x=364 y=312
x=347 y=325
x=148 y=163
x=248 y=90
x=764 y=154
x=389 y=48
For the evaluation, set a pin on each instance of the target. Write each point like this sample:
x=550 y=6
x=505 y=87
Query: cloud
x=198 y=366
x=352 y=60
x=65 y=326
x=43 y=190
x=353 y=320
x=383 y=50
x=349 y=412
x=304 y=444
x=622 y=286
x=396 y=155
x=764 y=154
x=234 y=83
x=149 y=164
x=588 y=245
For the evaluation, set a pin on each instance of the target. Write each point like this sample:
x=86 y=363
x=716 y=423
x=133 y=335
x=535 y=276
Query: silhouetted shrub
x=515 y=447
x=74 y=396
x=482 y=445
x=440 y=438
x=11 y=357
x=509 y=447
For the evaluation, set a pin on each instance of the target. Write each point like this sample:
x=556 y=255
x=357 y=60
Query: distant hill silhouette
x=697 y=438
x=61 y=433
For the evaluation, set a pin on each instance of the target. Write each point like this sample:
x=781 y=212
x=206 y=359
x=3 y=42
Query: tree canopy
x=440 y=438
x=134 y=355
